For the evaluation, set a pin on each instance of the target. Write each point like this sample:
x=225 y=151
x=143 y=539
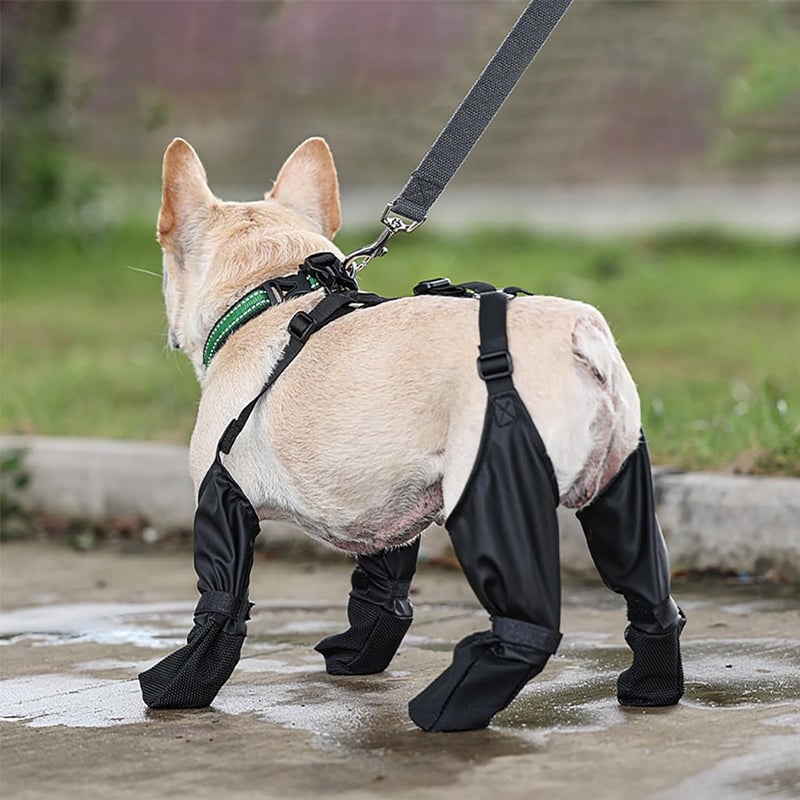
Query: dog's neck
x=215 y=297
x=267 y=295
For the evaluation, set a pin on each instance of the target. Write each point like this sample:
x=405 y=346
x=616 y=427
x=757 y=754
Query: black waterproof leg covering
x=627 y=547
x=505 y=533
x=225 y=528
x=379 y=613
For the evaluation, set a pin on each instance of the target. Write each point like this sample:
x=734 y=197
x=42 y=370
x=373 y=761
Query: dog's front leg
x=379 y=613
x=225 y=528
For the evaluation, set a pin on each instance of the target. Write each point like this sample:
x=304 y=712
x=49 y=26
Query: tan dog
x=371 y=434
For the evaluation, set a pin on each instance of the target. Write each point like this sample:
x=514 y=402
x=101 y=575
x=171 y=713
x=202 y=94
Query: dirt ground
x=77 y=627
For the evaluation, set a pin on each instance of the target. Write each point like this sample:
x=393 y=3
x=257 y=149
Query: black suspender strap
x=494 y=362
x=301 y=326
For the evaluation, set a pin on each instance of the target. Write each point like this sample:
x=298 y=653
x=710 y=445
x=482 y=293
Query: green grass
x=709 y=325
x=83 y=341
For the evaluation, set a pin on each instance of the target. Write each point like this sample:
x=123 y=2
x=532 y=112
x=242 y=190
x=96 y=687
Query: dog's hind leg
x=505 y=533
x=627 y=547
x=379 y=613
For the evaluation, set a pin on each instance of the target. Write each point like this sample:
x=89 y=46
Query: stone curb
x=711 y=521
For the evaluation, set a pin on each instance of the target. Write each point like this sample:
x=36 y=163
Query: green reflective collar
x=255 y=302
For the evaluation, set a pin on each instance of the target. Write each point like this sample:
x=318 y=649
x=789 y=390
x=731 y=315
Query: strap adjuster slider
x=302 y=325
x=495 y=365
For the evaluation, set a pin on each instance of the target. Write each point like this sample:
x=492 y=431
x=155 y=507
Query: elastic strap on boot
x=225 y=605
x=658 y=618
x=526 y=634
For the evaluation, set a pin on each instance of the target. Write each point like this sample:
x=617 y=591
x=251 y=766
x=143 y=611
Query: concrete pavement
x=76 y=628
x=711 y=521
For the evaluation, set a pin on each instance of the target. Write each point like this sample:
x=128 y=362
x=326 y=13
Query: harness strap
x=494 y=362
x=443 y=287
x=300 y=327
x=318 y=271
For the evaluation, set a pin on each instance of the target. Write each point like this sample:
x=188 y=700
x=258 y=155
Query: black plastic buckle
x=274 y=295
x=323 y=261
x=286 y=288
x=495 y=365
x=432 y=286
x=302 y=325
x=329 y=272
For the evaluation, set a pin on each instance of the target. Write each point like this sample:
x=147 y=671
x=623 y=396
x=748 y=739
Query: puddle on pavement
x=770 y=769
x=580 y=697
x=762 y=605
x=576 y=693
x=741 y=673
x=153 y=625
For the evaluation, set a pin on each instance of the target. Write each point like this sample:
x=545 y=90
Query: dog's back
x=390 y=398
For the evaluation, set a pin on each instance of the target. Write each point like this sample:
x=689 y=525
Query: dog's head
x=215 y=251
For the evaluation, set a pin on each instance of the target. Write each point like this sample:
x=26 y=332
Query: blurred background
x=648 y=163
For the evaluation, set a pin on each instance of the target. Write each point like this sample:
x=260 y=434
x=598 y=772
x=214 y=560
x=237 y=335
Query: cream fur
x=371 y=434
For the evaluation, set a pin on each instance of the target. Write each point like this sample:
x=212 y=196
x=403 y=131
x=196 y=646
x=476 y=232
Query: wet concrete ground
x=76 y=628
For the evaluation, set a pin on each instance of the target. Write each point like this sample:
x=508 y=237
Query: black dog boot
x=379 y=613
x=488 y=671
x=656 y=676
x=192 y=676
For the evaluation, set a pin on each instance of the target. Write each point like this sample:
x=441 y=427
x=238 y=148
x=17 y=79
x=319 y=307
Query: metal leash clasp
x=393 y=223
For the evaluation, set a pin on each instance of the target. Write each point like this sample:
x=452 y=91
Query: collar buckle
x=287 y=287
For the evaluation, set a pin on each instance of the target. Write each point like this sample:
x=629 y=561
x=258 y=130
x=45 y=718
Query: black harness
x=226 y=524
x=319 y=271
x=503 y=528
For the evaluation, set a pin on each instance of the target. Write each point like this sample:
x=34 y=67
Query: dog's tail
x=614 y=429
x=594 y=348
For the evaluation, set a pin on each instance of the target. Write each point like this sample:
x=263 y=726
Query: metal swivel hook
x=393 y=223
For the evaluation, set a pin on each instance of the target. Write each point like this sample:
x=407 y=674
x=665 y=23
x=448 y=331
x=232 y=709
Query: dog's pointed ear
x=184 y=190
x=307 y=183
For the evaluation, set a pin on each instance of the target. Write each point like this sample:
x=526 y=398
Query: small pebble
x=150 y=535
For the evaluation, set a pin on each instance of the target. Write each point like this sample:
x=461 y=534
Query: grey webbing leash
x=408 y=211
